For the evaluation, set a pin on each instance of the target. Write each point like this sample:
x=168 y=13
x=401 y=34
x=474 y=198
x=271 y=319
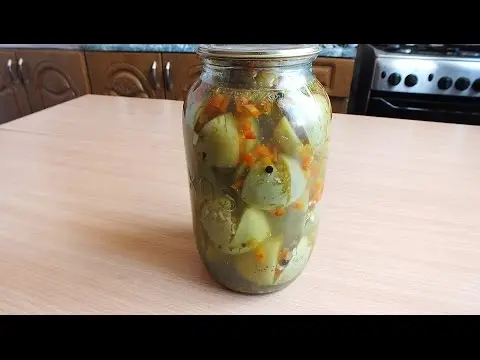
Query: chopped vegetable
x=298 y=205
x=279 y=212
x=248 y=159
x=219 y=102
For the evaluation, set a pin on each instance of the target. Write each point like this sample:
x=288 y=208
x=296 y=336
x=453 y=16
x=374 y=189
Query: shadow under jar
x=256 y=130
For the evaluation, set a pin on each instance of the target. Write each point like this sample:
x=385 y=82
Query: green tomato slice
x=286 y=138
x=219 y=142
x=253 y=226
x=216 y=219
x=277 y=188
x=258 y=266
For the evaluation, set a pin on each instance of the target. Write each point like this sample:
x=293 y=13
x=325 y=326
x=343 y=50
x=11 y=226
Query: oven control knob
x=411 y=80
x=462 y=84
x=394 y=79
x=445 y=83
x=476 y=85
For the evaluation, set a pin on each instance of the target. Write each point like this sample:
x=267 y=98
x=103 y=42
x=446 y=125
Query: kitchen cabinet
x=336 y=76
x=52 y=77
x=181 y=71
x=33 y=80
x=126 y=74
x=13 y=97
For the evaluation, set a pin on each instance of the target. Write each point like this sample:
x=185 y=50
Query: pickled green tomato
x=256 y=158
x=275 y=189
x=219 y=141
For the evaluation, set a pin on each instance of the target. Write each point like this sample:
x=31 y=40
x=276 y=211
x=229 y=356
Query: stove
x=418 y=81
x=428 y=69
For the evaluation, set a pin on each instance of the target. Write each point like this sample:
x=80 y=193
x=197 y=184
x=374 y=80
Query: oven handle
x=411 y=108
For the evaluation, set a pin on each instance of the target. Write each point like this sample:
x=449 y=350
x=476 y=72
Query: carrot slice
x=248 y=159
x=252 y=109
x=266 y=107
x=237 y=184
x=220 y=102
x=298 y=205
x=279 y=212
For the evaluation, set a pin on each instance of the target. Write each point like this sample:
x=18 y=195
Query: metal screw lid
x=258 y=51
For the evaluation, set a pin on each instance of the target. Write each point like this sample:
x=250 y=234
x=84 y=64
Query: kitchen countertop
x=96 y=218
x=327 y=50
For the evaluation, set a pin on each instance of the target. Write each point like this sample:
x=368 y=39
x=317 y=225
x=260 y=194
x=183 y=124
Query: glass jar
x=256 y=129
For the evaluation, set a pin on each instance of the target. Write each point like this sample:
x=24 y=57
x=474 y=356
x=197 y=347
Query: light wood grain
x=95 y=218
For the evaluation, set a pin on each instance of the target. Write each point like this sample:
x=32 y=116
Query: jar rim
x=258 y=51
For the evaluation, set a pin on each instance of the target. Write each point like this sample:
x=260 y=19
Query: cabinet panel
x=126 y=74
x=335 y=75
x=184 y=70
x=52 y=77
x=13 y=98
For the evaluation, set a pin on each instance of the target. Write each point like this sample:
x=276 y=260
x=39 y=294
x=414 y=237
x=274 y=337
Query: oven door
x=449 y=109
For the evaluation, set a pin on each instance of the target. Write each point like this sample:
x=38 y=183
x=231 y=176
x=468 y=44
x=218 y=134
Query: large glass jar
x=256 y=130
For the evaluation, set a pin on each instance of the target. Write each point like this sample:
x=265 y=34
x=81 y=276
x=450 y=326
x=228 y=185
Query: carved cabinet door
x=52 y=77
x=181 y=71
x=126 y=74
x=13 y=97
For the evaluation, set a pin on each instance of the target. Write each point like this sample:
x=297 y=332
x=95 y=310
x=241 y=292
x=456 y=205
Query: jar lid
x=258 y=51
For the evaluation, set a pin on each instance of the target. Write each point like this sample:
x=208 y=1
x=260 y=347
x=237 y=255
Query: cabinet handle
x=168 y=79
x=154 y=75
x=13 y=76
x=23 y=75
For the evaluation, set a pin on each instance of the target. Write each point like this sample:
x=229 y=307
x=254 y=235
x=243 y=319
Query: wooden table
x=95 y=218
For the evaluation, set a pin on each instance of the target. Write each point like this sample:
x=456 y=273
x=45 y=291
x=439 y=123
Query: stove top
x=446 y=50
x=441 y=69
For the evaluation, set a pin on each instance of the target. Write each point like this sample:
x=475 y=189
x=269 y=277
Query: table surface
x=96 y=218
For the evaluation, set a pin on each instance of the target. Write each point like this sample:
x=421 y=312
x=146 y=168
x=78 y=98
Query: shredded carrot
x=248 y=159
x=246 y=127
x=283 y=254
x=224 y=105
x=317 y=191
x=220 y=102
x=211 y=111
x=250 y=135
x=307 y=156
x=306 y=150
x=279 y=212
x=243 y=100
x=262 y=150
x=259 y=253
x=315 y=171
x=240 y=103
x=277 y=273
x=298 y=205
x=237 y=184
x=266 y=107
x=252 y=109
x=307 y=162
